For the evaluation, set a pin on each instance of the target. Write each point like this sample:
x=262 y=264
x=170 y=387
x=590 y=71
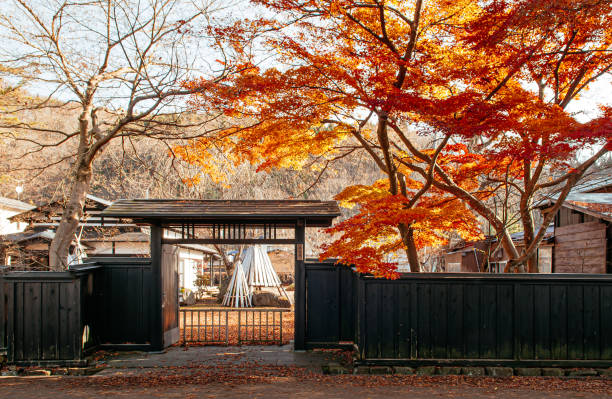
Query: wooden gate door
x=170 y=305
x=330 y=306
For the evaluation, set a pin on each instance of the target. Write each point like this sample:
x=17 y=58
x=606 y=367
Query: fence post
x=184 y=325
x=226 y=329
x=280 y=341
x=239 y=321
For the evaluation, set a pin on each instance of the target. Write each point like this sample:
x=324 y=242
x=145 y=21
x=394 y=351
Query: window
x=181 y=273
x=497 y=267
x=453 y=267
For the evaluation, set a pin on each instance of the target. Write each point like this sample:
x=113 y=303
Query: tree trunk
x=411 y=250
x=528 y=237
x=65 y=233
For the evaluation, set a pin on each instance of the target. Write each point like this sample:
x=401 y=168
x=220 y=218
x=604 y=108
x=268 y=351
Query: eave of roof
x=598 y=205
x=169 y=211
x=9 y=203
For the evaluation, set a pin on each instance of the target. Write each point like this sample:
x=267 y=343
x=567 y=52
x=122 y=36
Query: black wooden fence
x=58 y=317
x=3 y=343
x=46 y=317
x=539 y=320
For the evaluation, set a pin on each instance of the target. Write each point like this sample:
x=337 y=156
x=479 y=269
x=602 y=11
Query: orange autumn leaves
x=370 y=240
x=490 y=80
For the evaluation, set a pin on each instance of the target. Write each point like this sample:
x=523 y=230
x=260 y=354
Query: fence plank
x=541 y=304
x=606 y=322
x=439 y=320
x=471 y=317
x=575 y=319
x=50 y=313
x=505 y=322
x=424 y=321
x=488 y=321
x=592 y=349
x=3 y=319
x=455 y=321
x=558 y=322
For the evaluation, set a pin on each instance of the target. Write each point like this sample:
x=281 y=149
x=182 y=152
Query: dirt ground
x=276 y=372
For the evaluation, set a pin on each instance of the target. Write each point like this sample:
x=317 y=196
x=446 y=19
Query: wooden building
x=97 y=236
x=579 y=241
x=583 y=234
x=487 y=256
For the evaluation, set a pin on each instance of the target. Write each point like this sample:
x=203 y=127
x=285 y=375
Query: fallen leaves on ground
x=232 y=374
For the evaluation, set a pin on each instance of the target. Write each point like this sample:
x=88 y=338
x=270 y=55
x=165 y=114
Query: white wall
x=7 y=227
x=121 y=248
x=188 y=263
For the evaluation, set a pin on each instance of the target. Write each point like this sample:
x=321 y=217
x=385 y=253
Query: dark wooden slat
x=50 y=327
x=471 y=320
x=505 y=321
x=404 y=326
x=439 y=318
x=387 y=308
x=488 y=322
x=558 y=322
x=592 y=320
x=67 y=321
x=541 y=305
x=526 y=322
x=371 y=323
x=606 y=322
x=3 y=316
x=424 y=321
x=19 y=326
x=32 y=320
x=575 y=321
x=455 y=321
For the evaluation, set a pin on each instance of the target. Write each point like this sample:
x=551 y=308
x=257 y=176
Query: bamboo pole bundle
x=238 y=294
x=259 y=270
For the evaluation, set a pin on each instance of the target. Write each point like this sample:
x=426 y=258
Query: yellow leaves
x=352 y=195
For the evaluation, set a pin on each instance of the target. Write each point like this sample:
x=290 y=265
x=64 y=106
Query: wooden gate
x=330 y=305
x=232 y=326
x=170 y=288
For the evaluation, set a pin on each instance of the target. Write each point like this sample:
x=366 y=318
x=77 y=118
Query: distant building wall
x=6 y=227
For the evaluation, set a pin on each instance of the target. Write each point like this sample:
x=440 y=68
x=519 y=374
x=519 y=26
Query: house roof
x=519 y=236
x=13 y=204
x=134 y=236
x=168 y=211
x=201 y=248
x=516 y=237
x=44 y=213
x=596 y=181
x=46 y=235
x=598 y=205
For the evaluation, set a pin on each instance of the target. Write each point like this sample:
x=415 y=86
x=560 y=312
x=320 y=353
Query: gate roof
x=176 y=211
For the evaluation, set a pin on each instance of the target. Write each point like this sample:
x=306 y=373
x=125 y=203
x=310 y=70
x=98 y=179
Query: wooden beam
x=279 y=241
x=300 y=287
x=156 y=331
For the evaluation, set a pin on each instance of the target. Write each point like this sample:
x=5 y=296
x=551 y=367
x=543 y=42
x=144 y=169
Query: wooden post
x=157 y=329
x=300 y=287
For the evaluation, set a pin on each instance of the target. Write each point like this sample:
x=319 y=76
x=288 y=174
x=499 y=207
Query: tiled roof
x=9 y=203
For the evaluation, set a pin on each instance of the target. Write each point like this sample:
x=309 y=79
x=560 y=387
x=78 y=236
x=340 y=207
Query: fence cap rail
x=495 y=276
x=39 y=275
x=84 y=268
